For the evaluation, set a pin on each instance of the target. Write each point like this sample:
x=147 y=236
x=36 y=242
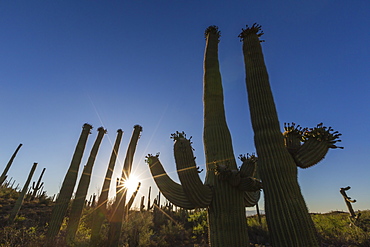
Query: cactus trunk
x=226 y=213
x=119 y=211
x=101 y=209
x=83 y=186
x=36 y=187
x=65 y=193
x=286 y=212
x=3 y=175
x=19 y=202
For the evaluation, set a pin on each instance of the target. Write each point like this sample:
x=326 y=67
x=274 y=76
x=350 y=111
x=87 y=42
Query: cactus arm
x=251 y=198
x=317 y=142
x=173 y=191
x=19 y=202
x=286 y=211
x=3 y=175
x=65 y=193
x=198 y=193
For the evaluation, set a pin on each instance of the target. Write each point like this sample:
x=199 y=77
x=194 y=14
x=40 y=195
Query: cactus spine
x=101 y=210
x=20 y=199
x=83 y=186
x=119 y=206
x=3 y=175
x=65 y=193
x=38 y=186
x=278 y=156
x=222 y=193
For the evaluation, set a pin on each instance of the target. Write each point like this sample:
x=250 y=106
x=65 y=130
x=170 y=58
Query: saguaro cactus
x=65 y=193
x=36 y=187
x=279 y=155
x=101 y=210
x=120 y=204
x=3 y=175
x=20 y=199
x=225 y=187
x=83 y=186
x=352 y=215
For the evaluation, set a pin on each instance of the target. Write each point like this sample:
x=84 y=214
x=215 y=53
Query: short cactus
x=36 y=187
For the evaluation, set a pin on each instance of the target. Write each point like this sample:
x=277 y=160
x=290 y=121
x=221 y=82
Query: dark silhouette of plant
x=3 y=175
x=65 y=193
x=224 y=190
x=279 y=155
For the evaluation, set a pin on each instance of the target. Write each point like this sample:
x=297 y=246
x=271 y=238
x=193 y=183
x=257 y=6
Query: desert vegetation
x=192 y=212
x=158 y=226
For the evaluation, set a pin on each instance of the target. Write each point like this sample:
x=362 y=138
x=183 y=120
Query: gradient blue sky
x=120 y=63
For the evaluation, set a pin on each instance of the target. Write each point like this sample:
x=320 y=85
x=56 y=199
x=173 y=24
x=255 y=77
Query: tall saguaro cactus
x=100 y=212
x=3 y=175
x=65 y=193
x=120 y=204
x=279 y=155
x=225 y=186
x=20 y=199
x=83 y=186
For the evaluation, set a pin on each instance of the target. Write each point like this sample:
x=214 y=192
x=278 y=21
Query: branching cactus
x=83 y=186
x=279 y=155
x=100 y=212
x=65 y=193
x=19 y=202
x=224 y=189
x=36 y=187
x=353 y=217
x=3 y=175
x=120 y=204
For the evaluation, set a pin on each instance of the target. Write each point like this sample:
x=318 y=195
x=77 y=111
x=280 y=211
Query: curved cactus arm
x=250 y=184
x=316 y=143
x=252 y=198
x=198 y=193
x=170 y=189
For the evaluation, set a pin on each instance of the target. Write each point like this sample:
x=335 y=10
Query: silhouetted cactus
x=19 y=202
x=83 y=186
x=100 y=212
x=224 y=189
x=120 y=205
x=3 y=175
x=279 y=155
x=65 y=193
x=353 y=217
x=36 y=187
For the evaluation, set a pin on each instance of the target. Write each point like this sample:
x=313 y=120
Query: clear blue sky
x=120 y=63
